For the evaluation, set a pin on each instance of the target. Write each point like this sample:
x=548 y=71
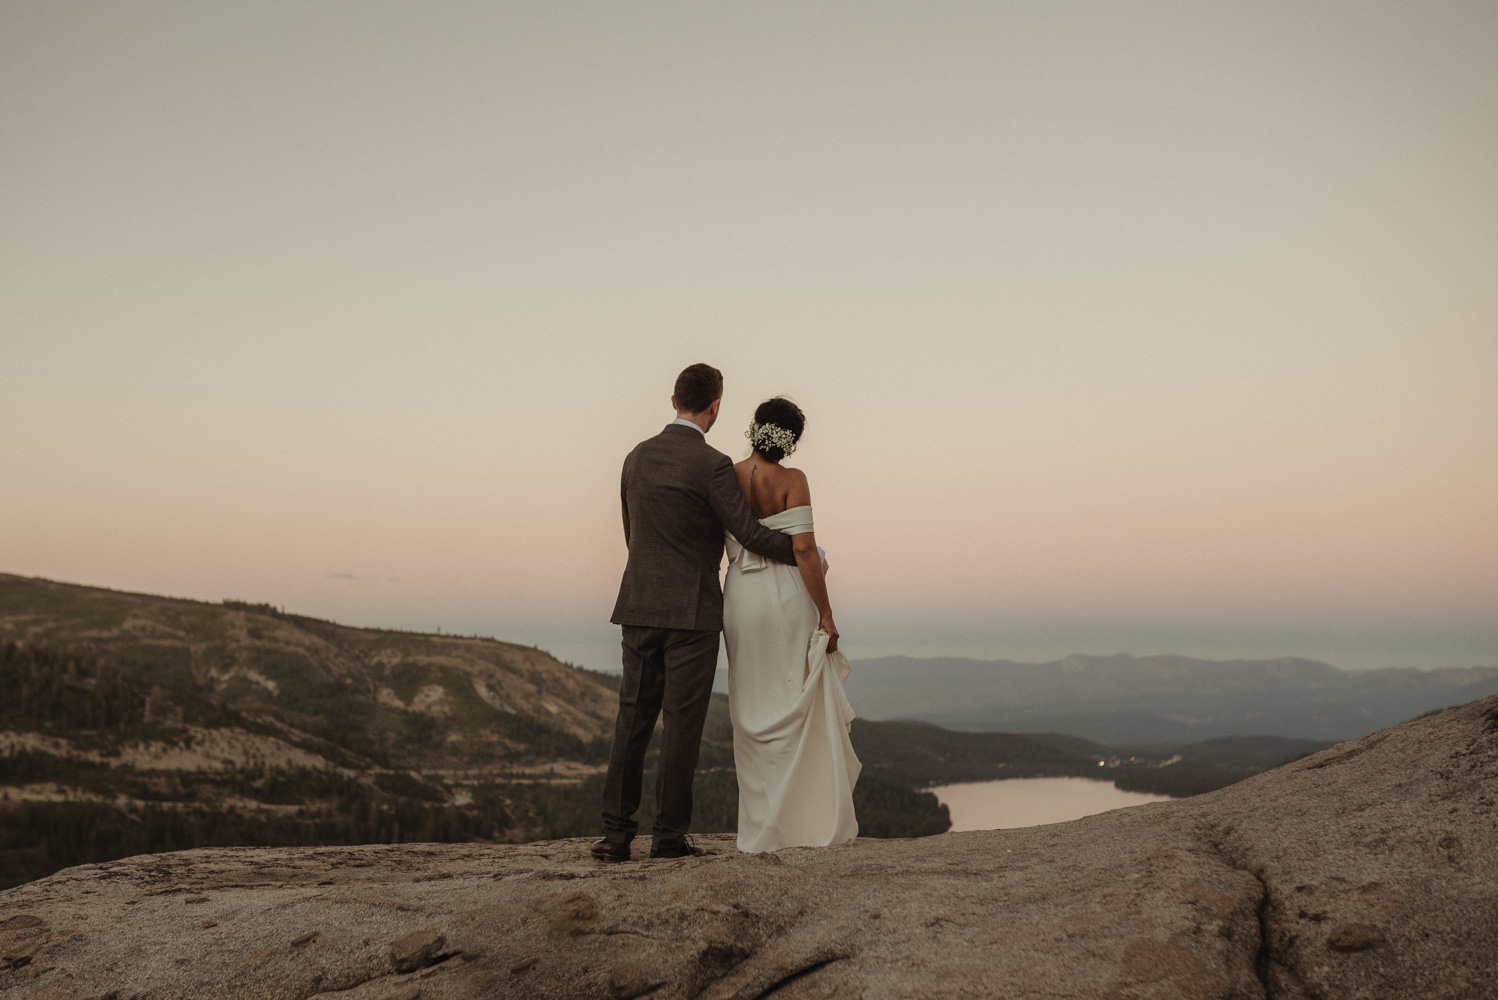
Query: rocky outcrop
x=1369 y=870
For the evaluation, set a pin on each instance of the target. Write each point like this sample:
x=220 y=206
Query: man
x=678 y=494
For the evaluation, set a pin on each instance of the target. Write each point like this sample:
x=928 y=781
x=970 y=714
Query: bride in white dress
x=795 y=763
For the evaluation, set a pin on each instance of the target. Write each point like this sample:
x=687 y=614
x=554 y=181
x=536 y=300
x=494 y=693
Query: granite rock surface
x=1369 y=870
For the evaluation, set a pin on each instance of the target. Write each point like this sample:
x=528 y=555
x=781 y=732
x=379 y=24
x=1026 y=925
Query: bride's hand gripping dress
x=791 y=718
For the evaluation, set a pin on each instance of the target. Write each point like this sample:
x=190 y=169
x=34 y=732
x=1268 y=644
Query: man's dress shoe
x=685 y=849
x=607 y=850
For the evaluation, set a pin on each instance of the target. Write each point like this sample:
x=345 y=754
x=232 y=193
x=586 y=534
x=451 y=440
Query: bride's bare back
x=770 y=487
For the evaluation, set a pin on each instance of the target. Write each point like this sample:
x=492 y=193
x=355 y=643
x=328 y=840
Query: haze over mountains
x=1157 y=700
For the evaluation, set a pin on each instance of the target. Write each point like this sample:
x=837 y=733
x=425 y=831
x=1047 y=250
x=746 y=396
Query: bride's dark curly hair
x=782 y=413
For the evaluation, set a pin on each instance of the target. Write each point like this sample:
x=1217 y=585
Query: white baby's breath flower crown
x=764 y=436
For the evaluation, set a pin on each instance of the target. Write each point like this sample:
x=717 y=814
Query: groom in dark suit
x=679 y=494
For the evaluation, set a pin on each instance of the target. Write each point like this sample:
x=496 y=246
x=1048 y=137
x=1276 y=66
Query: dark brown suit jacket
x=678 y=494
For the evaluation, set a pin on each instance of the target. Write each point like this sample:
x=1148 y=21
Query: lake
x=1003 y=805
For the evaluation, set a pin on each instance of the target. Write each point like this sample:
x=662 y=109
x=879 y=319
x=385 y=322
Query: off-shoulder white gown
x=795 y=763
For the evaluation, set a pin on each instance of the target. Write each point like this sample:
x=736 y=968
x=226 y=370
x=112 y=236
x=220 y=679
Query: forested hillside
x=132 y=724
x=921 y=755
x=399 y=699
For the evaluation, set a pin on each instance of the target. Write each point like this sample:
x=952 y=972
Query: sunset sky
x=1145 y=327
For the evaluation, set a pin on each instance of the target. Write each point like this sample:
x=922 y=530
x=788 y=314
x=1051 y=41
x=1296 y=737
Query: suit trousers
x=668 y=669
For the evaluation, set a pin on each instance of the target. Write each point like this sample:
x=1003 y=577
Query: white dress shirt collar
x=687 y=423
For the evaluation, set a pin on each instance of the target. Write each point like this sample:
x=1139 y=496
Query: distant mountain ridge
x=1157 y=700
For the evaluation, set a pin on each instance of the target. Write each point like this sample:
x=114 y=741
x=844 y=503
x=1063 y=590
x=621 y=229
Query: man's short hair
x=697 y=387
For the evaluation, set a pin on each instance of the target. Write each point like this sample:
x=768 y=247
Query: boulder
x=1369 y=870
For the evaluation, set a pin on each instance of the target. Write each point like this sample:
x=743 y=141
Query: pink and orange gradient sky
x=1147 y=327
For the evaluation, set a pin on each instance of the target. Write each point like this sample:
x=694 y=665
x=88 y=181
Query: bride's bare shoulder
x=798 y=489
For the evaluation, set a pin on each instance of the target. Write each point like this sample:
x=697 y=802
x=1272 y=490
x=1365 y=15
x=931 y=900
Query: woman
x=796 y=766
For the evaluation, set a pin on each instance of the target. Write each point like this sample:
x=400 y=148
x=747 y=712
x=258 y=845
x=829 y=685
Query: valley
x=133 y=724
